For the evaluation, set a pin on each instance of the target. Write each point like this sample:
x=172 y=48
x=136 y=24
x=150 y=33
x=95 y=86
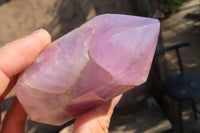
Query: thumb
x=97 y=120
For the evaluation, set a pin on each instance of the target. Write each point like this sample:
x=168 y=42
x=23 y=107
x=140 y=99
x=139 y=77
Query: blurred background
x=146 y=108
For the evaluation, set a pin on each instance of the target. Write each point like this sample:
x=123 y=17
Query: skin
x=14 y=58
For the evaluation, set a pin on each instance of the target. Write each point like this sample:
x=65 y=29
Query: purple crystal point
x=103 y=58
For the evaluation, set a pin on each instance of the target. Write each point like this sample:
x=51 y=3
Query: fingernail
x=43 y=35
x=115 y=101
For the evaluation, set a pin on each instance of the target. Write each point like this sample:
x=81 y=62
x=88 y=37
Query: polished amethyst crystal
x=85 y=68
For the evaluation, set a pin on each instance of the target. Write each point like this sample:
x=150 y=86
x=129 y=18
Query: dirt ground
x=179 y=28
x=17 y=20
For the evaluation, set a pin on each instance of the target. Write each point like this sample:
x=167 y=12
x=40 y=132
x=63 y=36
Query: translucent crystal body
x=101 y=59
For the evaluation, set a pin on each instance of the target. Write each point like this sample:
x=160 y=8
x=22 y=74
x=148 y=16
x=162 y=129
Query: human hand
x=16 y=56
x=96 y=120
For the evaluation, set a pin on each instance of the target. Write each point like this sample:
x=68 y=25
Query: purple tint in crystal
x=87 y=67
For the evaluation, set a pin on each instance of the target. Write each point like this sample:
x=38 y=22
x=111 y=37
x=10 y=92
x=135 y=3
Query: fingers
x=14 y=121
x=4 y=92
x=4 y=80
x=97 y=120
x=17 y=55
x=14 y=57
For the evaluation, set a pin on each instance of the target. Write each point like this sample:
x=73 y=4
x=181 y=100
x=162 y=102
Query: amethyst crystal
x=85 y=68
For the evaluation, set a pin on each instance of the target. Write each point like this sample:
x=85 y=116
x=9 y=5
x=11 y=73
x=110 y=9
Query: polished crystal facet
x=85 y=68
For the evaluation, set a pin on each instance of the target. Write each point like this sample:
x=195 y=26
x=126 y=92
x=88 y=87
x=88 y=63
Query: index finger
x=17 y=55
